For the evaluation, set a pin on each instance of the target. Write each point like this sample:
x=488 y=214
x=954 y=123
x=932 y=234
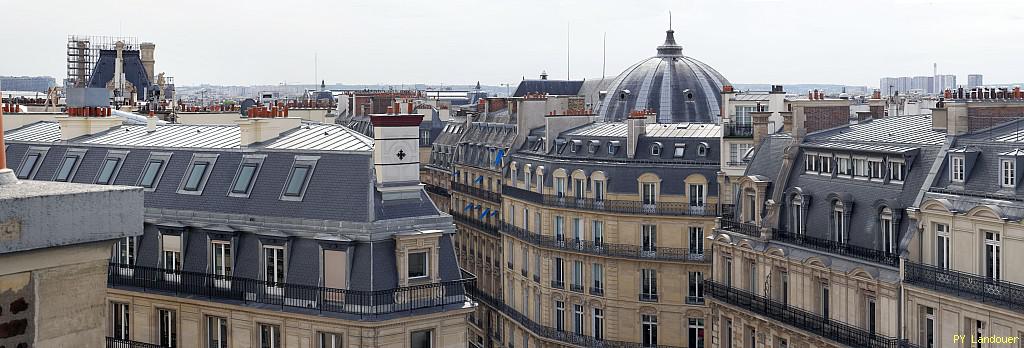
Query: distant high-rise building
x=887 y=85
x=923 y=84
x=944 y=82
x=974 y=80
x=27 y=83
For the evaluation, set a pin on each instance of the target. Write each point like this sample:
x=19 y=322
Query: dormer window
x=593 y=146
x=811 y=162
x=897 y=170
x=875 y=169
x=826 y=164
x=298 y=178
x=153 y=171
x=68 y=167
x=702 y=150
x=656 y=149
x=956 y=169
x=111 y=166
x=1008 y=173
x=197 y=174
x=839 y=222
x=679 y=151
x=246 y=176
x=30 y=164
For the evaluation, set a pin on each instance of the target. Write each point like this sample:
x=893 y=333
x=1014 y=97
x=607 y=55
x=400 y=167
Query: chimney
x=6 y=174
x=265 y=123
x=760 y=123
x=81 y=121
x=636 y=127
x=396 y=155
x=151 y=122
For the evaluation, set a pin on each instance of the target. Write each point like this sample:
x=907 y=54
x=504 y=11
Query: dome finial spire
x=670 y=47
x=669 y=20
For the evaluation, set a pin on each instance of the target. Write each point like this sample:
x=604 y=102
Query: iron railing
x=476 y=223
x=733 y=130
x=837 y=331
x=438 y=190
x=477 y=192
x=365 y=304
x=744 y=228
x=608 y=249
x=612 y=206
x=962 y=284
x=840 y=248
x=122 y=343
x=550 y=333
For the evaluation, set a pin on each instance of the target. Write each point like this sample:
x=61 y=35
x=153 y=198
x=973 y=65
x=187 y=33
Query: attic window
x=68 y=166
x=197 y=174
x=246 y=176
x=29 y=165
x=109 y=171
x=680 y=151
x=594 y=145
x=702 y=150
x=298 y=178
x=656 y=149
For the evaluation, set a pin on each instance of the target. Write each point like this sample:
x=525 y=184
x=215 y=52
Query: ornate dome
x=676 y=87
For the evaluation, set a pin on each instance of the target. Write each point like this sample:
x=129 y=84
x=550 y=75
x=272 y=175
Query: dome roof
x=676 y=87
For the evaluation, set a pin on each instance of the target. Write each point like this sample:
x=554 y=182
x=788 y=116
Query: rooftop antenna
x=604 y=53
x=316 y=72
x=567 y=51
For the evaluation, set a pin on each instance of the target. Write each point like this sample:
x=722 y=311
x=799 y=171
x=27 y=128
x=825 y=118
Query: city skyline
x=429 y=43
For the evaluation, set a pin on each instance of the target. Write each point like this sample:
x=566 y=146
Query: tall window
x=526 y=219
x=743 y=117
x=526 y=259
x=649 y=193
x=559 y=228
x=598 y=190
x=696 y=240
x=421 y=339
x=956 y=169
x=737 y=152
x=29 y=166
x=557 y=274
x=216 y=332
x=869 y=314
x=752 y=274
x=838 y=223
x=888 y=228
x=825 y=300
x=270 y=336
x=120 y=317
x=597 y=275
x=329 y=340
x=942 y=246
x=167 y=328
x=843 y=166
x=697 y=195
x=695 y=288
x=560 y=186
x=273 y=273
x=598 y=324
x=928 y=332
x=695 y=333
x=727 y=271
x=1008 y=173
x=826 y=164
x=222 y=258
x=598 y=232
x=579 y=188
x=993 y=249
x=796 y=215
x=126 y=251
x=577 y=275
x=860 y=167
x=649 y=238
x=784 y=287
x=536 y=265
x=171 y=252
x=811 y=162
x=649 y=330
x=577 y=319
x=875 y=168
x=649 y=284
x=577 y=230
x=560 y=315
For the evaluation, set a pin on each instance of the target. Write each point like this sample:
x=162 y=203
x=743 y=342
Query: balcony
x=476 y=223
x=612 y=206
x=576 y=287
x=648 y=297
x=733 y=130
x=834 y=247
x=437 y=190
x=596 y=291
x=694 y=300
x=477 y=192
x=961 y=284
x=557 y=284
x=565 y=337
x=744 y=228
x=120 y=343
x=536 y=278
x=523 y=272
x=815 y=324
x=365 y=305
x=608 y=249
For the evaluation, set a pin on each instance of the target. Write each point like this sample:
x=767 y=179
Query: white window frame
x=559 y=315
x=1008 y=173
x=649 y=330
x=992 y=255
x=167 y=327
x=942 y=245
x=274 y=286
x=120 y=320
x=597 y=275
x=329 y=340
x=649 y=281
x=577 y=316
x=957 y=169
x=886 y=223
x=222 y=261
x=897 y=170
x=270 y=336
x=426 y=264
x=598 y=323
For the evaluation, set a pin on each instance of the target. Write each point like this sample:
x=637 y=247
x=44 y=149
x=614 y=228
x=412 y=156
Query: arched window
x=839 y=233
x=702 y=149
x=656 y=149
x=796 y=215
x=888 y=229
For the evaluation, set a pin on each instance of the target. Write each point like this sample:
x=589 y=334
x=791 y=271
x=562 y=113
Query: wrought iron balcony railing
x=438 y=190
x=744 y=228
x=649 y=297
x=608 y=249
x=834 y=247
x=120 y=343
x=834 y=330
x=734 y=130
x=476 y=223
x=557 y=284
x=612 y=206
x=596 y=291
x=365 y=304
x=962 y=284
x=547 y=332
x=576 y=287
x=477 y=192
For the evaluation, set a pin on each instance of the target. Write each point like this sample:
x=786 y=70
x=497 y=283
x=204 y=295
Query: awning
x=484 y=214
x=494 y=212
x=479 y=179
x=468 y=207
x=498 y=157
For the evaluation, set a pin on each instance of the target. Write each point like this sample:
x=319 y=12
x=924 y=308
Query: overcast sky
x=464 y=41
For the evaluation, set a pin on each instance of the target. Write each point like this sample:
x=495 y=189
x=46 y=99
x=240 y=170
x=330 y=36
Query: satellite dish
x=246 y=104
